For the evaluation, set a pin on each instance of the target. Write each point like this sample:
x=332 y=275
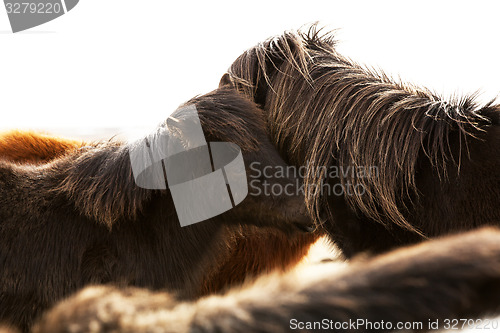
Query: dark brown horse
x=249 y=248
x=80 y=219
x=422 y=166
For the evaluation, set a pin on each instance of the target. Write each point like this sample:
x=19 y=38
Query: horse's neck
x=344 y=115
x=100 y=181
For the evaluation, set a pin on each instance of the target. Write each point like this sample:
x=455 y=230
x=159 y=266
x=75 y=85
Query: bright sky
x=124 y=64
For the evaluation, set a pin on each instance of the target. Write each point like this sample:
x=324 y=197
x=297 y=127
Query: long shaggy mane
x=324 y=109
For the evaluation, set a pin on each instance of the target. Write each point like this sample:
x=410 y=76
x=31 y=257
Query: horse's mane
x=98 y=176
x=324 y=109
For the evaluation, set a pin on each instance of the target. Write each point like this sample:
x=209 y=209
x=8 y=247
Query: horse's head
x=383 y=148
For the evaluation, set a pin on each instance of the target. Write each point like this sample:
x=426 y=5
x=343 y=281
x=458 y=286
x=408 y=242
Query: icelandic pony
x=423 y=166
x=252 y=251
x=81 y=219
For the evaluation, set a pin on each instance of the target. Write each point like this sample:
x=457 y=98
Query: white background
x=123 y=64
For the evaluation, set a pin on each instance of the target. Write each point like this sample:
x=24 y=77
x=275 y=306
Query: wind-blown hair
x=325 y=110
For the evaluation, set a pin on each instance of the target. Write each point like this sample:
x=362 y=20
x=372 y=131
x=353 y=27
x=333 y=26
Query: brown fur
x=8 y=329
x=253 y=251
x=436 y=280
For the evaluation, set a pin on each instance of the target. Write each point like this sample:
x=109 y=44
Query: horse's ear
x=225 y=81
